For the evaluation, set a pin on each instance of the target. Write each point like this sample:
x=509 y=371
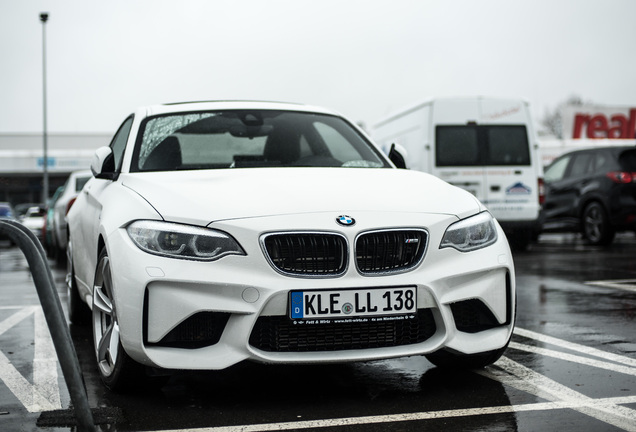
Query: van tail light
x=70 y=204
x=621 y=177
x=541 y=189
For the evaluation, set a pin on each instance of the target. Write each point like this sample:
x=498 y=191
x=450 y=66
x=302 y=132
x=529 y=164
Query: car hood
x=214 y=195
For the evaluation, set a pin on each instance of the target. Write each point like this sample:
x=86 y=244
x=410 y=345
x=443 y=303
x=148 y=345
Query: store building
x=22 y=162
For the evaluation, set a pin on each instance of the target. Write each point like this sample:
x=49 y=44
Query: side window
x=118 y=144
x=580 y=165
x=556 y=171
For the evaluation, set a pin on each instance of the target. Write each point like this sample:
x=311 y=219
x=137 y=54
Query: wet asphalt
x=571 y=366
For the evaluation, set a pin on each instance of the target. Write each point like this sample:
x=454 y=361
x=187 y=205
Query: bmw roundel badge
x=345 y=220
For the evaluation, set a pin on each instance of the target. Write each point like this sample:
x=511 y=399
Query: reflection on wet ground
x=571 y=365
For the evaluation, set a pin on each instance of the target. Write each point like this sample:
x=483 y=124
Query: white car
x=72 y=188
x=33 y=219
x=218 y=232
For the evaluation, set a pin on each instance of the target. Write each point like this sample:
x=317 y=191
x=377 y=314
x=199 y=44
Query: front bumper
x=179 y=314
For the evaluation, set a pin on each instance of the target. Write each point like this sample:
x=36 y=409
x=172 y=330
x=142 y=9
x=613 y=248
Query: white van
x=484 y=145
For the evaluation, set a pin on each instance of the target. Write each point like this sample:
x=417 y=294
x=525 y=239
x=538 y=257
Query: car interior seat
x=165 y=157
x=282 y=145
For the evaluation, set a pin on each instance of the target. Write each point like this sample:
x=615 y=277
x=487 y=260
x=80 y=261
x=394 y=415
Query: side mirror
x=397 y=155
x=103 y=164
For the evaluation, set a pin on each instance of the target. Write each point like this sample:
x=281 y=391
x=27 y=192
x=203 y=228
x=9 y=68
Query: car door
x=564 y=180
x=87 y=235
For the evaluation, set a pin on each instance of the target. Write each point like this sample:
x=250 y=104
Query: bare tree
x=553 y=119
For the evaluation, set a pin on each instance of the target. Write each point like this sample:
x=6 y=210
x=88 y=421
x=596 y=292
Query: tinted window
x=627 y=160
x=118 y=144
x=250 y=138
x=473 y=145
x=580 y=165
x=507 y=145
x=602 y=161
x=556 y=170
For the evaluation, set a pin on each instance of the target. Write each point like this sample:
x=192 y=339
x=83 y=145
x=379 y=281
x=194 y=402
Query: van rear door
x=458 y=158
x=493 y=162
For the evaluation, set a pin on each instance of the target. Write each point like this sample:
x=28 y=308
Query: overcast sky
x=364 y=58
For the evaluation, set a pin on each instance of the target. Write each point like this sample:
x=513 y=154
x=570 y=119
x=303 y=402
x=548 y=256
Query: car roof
x=167 y=108
x=612 y=149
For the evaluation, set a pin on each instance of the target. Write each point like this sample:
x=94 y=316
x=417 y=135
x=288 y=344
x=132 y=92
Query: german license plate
x=352 y=303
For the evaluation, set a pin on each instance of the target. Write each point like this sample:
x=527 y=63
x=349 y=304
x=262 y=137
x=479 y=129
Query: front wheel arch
x=117 y=370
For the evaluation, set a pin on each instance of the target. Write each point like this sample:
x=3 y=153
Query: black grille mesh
x=326 y=254
x=280 y=334
x=307 y=253
x=386 y=251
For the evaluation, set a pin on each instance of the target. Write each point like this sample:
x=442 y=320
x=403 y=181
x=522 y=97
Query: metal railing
x=54 y=314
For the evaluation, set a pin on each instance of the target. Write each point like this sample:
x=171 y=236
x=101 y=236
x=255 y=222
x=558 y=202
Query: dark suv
x=592 y=191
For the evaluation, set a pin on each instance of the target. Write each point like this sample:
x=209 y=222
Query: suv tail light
x=541 y=189
x=621 y=177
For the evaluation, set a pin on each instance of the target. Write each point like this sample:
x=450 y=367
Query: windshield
x=474 y=145
x=250 y=138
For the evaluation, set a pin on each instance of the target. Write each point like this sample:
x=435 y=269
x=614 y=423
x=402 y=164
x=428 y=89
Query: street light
x=44 y=17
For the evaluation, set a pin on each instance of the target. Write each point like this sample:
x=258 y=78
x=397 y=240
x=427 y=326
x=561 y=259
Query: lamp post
x=45 y=160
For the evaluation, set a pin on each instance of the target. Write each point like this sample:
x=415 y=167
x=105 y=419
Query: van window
x=507 y=145
x=457 y=145
x=474 y=145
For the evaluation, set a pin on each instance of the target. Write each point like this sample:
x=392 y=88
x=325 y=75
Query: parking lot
x=571 y=366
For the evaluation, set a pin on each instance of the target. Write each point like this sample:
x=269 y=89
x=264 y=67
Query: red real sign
x=599 y=123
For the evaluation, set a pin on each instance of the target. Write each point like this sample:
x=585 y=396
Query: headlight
x=472 y=233
x=182 y=241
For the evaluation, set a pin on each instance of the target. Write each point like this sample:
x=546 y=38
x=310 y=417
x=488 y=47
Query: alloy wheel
x=105 y=324
x=594 y=224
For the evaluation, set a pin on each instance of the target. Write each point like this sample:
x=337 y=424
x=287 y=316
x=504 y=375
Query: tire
x=78 y=312
x=117 y=370
x=595 y=224
x=450 y=360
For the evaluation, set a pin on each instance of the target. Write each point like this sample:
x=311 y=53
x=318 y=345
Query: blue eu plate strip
x=297 y=305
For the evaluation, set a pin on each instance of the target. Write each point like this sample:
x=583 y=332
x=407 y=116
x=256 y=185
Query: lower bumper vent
x=472 y=316
x=199 y=330
x=279 y=334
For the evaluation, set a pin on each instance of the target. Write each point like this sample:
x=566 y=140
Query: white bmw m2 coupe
x=218 y=232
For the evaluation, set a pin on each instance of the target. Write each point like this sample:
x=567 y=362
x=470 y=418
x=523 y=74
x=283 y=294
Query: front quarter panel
x=103 y=207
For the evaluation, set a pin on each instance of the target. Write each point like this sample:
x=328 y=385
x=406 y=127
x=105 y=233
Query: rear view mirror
x=103 y=164
x=397 y=155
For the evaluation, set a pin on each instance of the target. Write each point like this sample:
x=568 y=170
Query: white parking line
x=574 y=358
x=624 y=284
x=513 y=374
x=576 y=347
x=527 y=380
x=43 y=394
x=431 y=415
x=45 y=362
